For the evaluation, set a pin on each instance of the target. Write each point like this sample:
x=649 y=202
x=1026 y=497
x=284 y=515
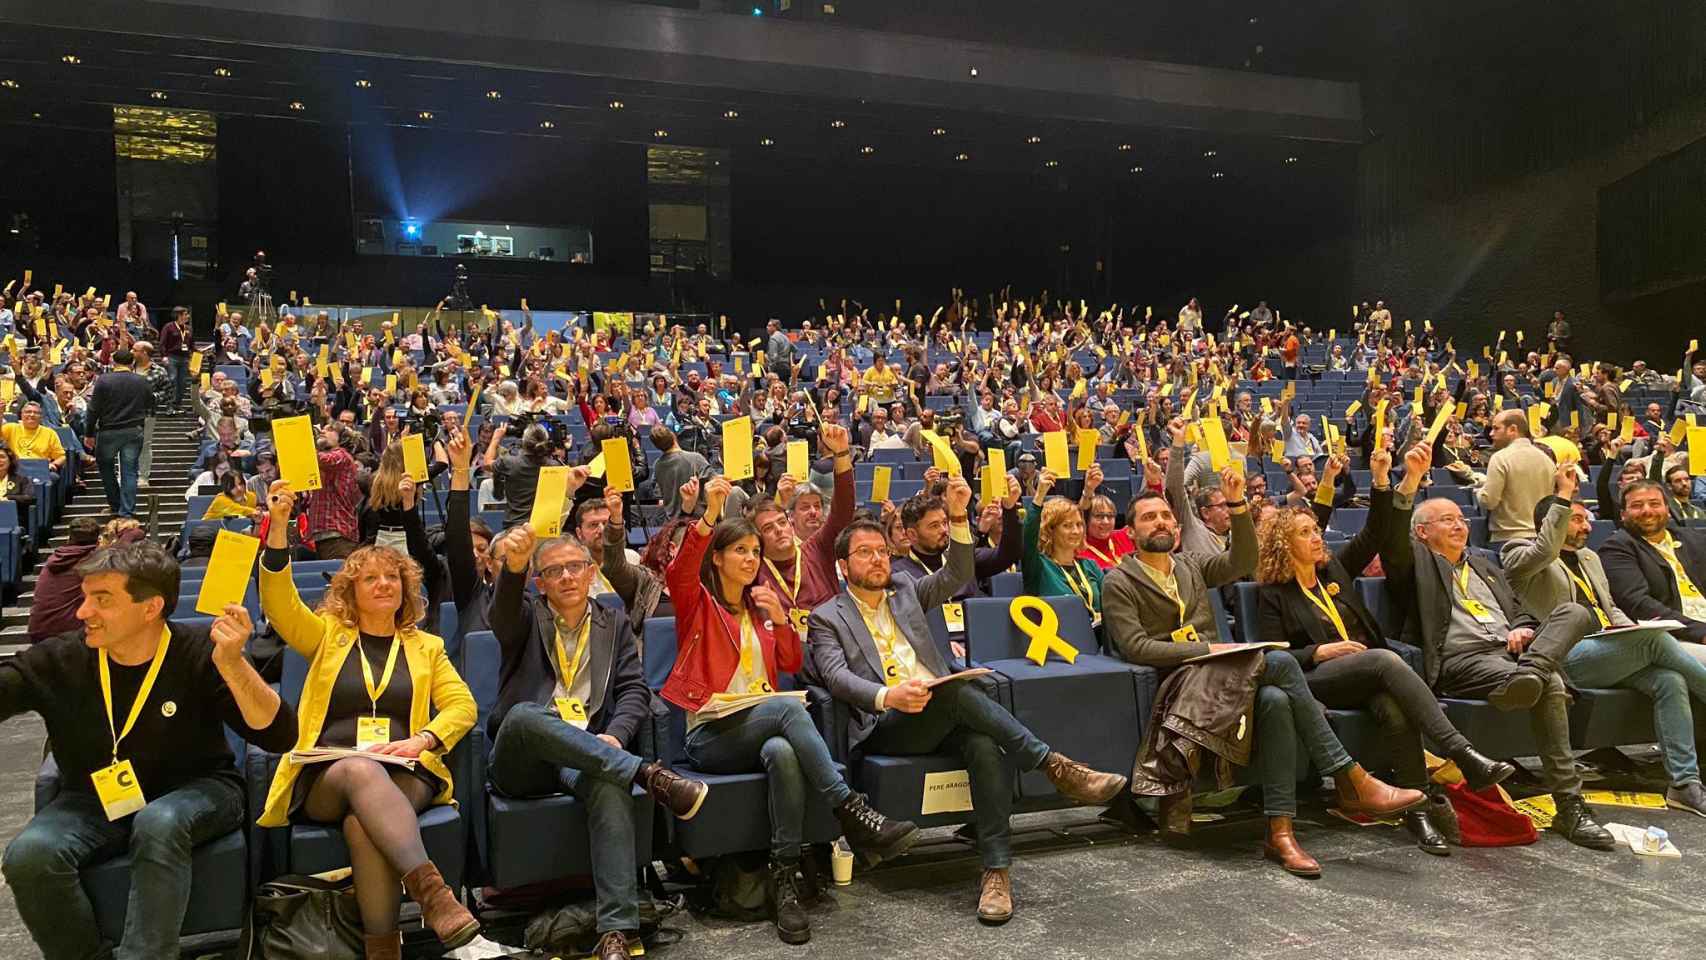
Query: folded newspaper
x=727 y=704
x=1640 y=626
x=329 y=754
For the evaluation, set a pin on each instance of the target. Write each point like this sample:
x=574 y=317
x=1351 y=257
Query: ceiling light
x=939 y=132
x=364 y=83
x=661 y=133
x=1210 y=154
x=962 y=157
x=1137 y=169
x=1033 y=139
x=616 y=104
x=838 y=124
x=1217 y=175
x=867 y=150
x=731 y=114
x=1051 y=164
x=767 y=142
x=157 y=94
x=9 y=83
x=1290 y=159
x=72 y=59
x=494 y=95
x=297 y=105
x=974 y=71
x=1125 y=148
x=222 y=71
x=425 y=114
x=1255 y=20
x=547 y=125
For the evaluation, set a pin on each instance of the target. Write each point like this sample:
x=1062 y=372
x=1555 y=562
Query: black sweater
x=59 y=678
x=121 y=399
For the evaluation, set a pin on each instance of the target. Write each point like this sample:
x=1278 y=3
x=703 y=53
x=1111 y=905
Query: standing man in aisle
x=779 y=350
x=135 y=709
x=121 y=403
x=160 y=381
x=176 y=342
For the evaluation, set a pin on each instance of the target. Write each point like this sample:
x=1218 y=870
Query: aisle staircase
x=160 y=506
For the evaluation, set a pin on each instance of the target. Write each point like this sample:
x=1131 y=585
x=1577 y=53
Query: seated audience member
x=874 y=650
x=1309 y=601
x=1105 y=541
x=30 y=439
x=135 y=708
x=799 y=565
x=365 y=702
x=1479 y=643
x=1657 y=570
x=926 y=520
x=735 y=638
x=1558 y=568
x=1159 y=612
x=1053 y=536
x=570 y=704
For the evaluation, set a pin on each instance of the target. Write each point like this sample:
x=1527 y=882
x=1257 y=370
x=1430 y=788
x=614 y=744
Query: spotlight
x=1125 y=148
x=661 y=133
x=1217 y=175
x=1210 y=154
x=72 y=59
x=222 y=71
x=1136 y=169
x=1033 y=139
x=1051 y=164
x=867 y=150
x=411 y=228
x=425 y=114
x=962 y=157
x=494 y=95
x=547 y=125
x=758 y=11
x=974 y=71
x=297 y=105
x=767 y=142
x=9 y=83
x=938 y=132
x=616 y=105
x=363 y=83
x=1290 y=160
x=731 y=114
x=838 y=124
x=157 y=94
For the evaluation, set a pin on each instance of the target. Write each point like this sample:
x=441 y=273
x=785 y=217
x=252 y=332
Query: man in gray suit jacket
x=1556 y=569
x=874 y=651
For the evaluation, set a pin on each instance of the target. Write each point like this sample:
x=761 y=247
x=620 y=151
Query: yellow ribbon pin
x=1044 y=633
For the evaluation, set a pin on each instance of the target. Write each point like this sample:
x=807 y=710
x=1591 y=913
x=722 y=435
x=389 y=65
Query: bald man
x=1518 y=476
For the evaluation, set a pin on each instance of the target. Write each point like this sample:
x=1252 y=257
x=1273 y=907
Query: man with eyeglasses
x=569 y=705
x=1478 y=642
x=873 y=648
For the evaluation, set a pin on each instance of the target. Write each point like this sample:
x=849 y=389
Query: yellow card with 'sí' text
x=880 y=478
x=737 y=449
x=548 y=502
x=298 y=460
x=799 y=458
x=618 y=465
x=228 y=572
x=1055 y=459
x=414 y=457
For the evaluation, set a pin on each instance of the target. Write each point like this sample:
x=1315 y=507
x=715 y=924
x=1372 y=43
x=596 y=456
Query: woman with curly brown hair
x=1308 y=600
x=366 y=703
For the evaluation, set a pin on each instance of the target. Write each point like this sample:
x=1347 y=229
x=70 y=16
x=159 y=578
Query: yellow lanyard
x=1604 y=621
x=142 y=692
x=799 y=575
x=884 y=639
x=1463 y=584
x=1172 y=594
x=747 y=649
x=1328 y=607
x=1107 y=558
x=374 y=693
x=1081 y=587
x=570 y=667
x=1684 y=585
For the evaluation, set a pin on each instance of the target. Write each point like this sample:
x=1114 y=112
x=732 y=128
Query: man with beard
x=873 y=649
x=1558 y=568
x=800 y=567
x=925 y=517
x=1157 y=612
x=1656 y=570
x=1518 y=476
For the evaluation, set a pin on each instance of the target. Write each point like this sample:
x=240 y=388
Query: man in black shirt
x=134 y=707
x=122 y=402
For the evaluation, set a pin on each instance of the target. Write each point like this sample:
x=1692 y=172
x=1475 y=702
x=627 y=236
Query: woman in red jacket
x=733 y=638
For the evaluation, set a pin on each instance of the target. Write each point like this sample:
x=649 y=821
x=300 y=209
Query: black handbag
x=303 y=918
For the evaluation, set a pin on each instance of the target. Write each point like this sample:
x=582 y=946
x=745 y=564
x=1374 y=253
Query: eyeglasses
x=573 y=568
x=868 y=554
x=1448 y=521
x=1103 y=516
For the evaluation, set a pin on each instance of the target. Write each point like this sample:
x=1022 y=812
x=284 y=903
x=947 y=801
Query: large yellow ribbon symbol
x=1044 y=633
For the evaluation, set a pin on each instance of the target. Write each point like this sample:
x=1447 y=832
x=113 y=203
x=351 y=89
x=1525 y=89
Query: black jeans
x=962 y=718
x=1401 y=702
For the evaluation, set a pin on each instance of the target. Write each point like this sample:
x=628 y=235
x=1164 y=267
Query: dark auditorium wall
x=64 y=178
x=1478 y=198
x=283 y=188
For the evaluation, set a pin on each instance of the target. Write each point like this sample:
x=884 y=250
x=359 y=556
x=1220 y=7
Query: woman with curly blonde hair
x=1053 y=536
x=366 y=703
x=1308 y=600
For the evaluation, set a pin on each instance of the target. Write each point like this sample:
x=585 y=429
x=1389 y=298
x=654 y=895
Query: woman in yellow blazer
x=363 y=701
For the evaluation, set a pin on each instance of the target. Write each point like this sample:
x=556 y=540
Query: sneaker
x=1690 y=798
x=872 y=836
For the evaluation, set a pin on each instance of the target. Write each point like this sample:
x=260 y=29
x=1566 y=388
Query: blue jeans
x=1658 y=667
x=119 y=480
x=72 y=832
x=1287 y=712
x=777 y=736
x=180 y=367
x=537 y=754
x=963 y=719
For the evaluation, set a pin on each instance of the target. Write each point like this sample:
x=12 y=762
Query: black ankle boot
x=1577 y=825
x=1480 y=771
x=1427 y=837
x=872 y=836
x=792 y=925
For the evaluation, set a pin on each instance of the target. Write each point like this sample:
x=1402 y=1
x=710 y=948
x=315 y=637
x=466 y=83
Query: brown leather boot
x=1361 y=793
x=1079 y=783
x=1281 y=847
x=448 y=919
x=612 y=946
x=995 y=899
x=677 y=794
x=383 y=946
x=1175 y=814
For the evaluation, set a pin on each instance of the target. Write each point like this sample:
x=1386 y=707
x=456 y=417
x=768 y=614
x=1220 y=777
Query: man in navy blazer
x=1658 y=571
x=874 y=650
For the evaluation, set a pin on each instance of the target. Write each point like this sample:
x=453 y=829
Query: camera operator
x=516 y=475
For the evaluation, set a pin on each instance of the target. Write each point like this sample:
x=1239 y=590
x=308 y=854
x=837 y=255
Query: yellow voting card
x=1440 y=420
x=995 y=476
x=1214 y=437
x=228 y=572
x=414 y=457
x=799 y=458
x=195 y=363
x=1087 y=441
x=618 y=466
x=548 y=502
x=737 y=449
x=880 y=478
x=298 y=461
x=390 y=383
x=1697 y=451
x=942 y=454
x=1055 y=458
